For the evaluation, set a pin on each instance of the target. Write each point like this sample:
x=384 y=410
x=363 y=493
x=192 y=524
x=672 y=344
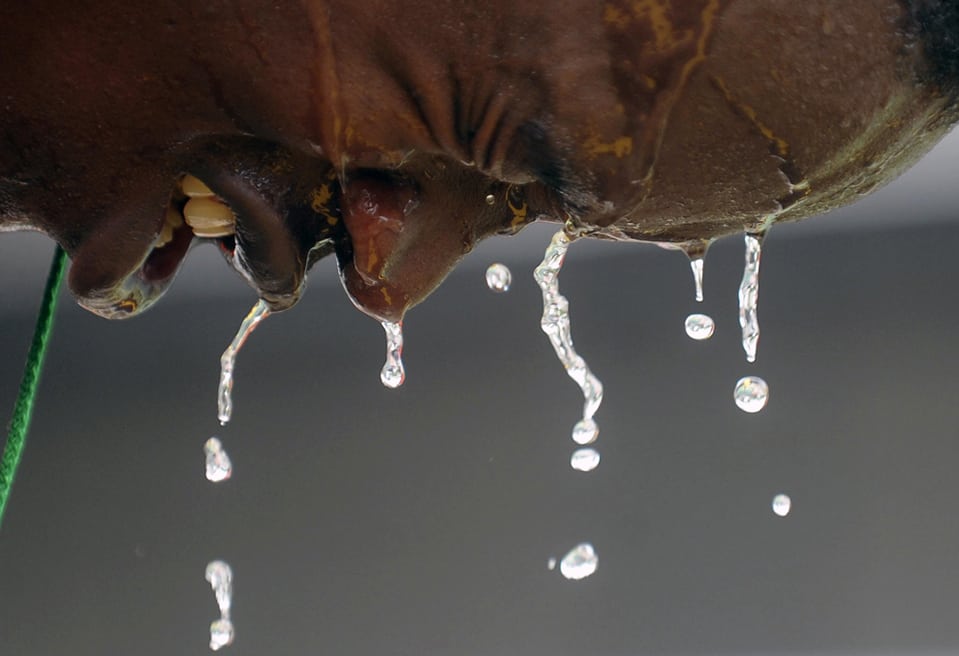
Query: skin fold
x=398 y=134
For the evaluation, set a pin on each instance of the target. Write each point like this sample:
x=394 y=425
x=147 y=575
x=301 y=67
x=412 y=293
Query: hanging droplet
x=584 y=460
x=585 y=431
x=259 y=312
x=218 y=465
x=555 y=323
x=782 y=504
x=393 y=374
x=498 y=277
x=751 y=393
x=220 y=576
x=221 y=634
x=696 y=264
x=700 y=326
x=749 y=296
x=580 y=562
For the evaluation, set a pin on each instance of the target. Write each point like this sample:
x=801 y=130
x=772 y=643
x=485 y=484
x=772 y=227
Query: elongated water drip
x=555 y=323
x=218 y=465
x=393 y=374
x=749 y=296
x=258 y=313
x=696 y=264
x=220 y=576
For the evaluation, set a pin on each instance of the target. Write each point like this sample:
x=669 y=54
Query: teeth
x=194 y=187
x=208 y=216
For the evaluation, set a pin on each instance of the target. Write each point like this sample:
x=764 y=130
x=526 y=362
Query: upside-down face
x=398 y=134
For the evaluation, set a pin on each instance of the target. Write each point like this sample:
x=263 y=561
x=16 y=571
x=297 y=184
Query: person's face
x=399 y=134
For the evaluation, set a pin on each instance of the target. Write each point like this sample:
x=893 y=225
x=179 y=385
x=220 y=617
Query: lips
x=270 y=212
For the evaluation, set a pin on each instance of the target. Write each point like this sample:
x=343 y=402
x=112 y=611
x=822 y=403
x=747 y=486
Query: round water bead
x=392 y=375
x=700 y=326
x=580 y=562
x=498 y=277
x=751 y=393
x=584 y=460
x=585 y=431
x=782 y=504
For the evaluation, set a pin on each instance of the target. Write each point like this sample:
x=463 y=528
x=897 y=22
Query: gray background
x=366 y=521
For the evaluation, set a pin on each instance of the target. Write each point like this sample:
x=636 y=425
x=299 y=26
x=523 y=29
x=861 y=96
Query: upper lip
x=286 y=216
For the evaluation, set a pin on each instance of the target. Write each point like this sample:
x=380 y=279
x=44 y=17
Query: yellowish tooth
x=194 y=187
x=209 y=217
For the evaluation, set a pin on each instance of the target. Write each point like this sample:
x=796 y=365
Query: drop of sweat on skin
x=259 y=312
x=393 y=374
x=218 y=465
x=498 y=277
x=782 y=504
x=220 y=576
x=749 y=296
x=700 y=326
x=751 y=393
x=555 y=323
x=584 y=460
x=580 y=562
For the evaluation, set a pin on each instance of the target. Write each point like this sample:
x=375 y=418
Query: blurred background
x=366 y=521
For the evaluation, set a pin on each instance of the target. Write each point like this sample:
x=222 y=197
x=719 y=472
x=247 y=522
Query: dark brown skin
x=398 y=134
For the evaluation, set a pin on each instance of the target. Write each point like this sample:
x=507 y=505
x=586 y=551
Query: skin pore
x=397 y=135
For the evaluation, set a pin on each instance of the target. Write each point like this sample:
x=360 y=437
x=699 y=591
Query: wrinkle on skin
x=655 y=48
x=778 y=146
x=330 y=120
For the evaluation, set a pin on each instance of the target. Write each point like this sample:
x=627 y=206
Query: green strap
x=22 y=411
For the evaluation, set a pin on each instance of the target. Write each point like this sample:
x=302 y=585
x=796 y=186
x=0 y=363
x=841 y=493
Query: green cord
x=22 y=411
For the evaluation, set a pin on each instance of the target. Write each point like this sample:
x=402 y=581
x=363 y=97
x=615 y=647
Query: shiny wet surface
x=361 y=520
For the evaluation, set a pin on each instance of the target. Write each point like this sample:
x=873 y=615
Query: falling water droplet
x=751 y=393
x=555 y=323
x=585 y=431
x=498 y=277
x=749 y=296
x=221 y=634
x=782 y=504
x=259 y=312
x=584 y=460
x=696 y=264
x=218 y=465
x=580 y=562
x=220 y=576
x=700 y=326
x=551 y=564
x=392 y=375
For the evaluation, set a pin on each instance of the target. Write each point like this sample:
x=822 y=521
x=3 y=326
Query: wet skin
x=398 y=134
